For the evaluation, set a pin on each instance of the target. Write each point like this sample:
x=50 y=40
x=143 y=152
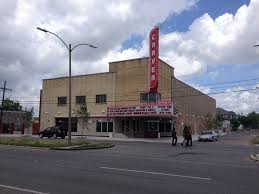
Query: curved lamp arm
x=46 y=31
x=92 y=46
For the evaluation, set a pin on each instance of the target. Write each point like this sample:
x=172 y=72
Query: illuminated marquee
x=156 y=109
x=153 y=59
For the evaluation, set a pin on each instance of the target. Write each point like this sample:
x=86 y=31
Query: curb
x=254 y=157
x=81 y=147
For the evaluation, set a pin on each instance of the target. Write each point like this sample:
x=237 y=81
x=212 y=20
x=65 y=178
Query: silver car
x=208 y=136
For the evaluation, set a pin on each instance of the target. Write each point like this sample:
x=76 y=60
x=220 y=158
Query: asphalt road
x=221 y=167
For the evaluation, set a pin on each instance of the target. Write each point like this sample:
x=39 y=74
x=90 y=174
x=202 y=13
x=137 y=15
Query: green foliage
x=210 y=123
x=83 y=116
x=29 y=116
x=255 y=140
x=11 y=106
x=235 y=124
x=250 y=121
x=53 y=143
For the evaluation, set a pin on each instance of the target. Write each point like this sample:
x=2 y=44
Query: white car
x=208 y=136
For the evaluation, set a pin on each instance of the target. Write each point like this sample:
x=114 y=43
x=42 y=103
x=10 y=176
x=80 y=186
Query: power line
x=230 y=82
x=142 y=91
x=192 y=87
x=201 y=94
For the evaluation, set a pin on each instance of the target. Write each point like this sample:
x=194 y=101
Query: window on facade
x=110 y=126
x=122 y=125
x=80 y=99
x=134 y=125
x=104 y=126
x=137 y=125
x=150 y=97
x=98 y=126
x=62 y=100
x=168 y=127
x=161 y=127
x=127 y=125
x=101 y=98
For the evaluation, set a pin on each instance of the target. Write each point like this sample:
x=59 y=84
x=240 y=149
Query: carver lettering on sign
x=153 y=59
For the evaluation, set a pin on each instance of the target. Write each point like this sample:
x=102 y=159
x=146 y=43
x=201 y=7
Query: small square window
x=62 y=100
x=101 y=98
x=150 y=97
x=80 y=99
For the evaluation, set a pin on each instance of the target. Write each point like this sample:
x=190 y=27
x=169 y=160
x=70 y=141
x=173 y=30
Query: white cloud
x=226 y=40
x=27 y=55
x=239 y=102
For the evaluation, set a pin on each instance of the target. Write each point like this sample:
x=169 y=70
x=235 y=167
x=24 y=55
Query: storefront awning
x=159 y=109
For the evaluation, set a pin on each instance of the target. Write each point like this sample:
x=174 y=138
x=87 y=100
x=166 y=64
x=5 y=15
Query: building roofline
x=194 y=88
x=91 y=74
x=128 y=60
x=107 y=71
x=139 y=59
x=166 y=63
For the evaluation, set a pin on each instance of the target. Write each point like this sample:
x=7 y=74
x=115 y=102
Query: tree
x=235 y=124
x=253 y=120
x=250 y=121
x=209 y=122
x=83 y=116
x=11 y=105
x=28 y=117
x=244 y=121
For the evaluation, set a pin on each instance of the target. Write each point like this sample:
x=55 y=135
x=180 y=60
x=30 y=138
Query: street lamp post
x=70 y=49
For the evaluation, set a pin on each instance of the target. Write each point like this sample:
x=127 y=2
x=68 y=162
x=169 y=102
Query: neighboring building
x=119 y=101
x=226 y=125
x=225 y=115
x=13 y=122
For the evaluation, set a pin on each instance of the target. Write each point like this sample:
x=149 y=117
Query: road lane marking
x=156 y=173
x=21 y=189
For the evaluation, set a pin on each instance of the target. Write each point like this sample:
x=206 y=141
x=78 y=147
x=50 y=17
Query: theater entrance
x=151 y=128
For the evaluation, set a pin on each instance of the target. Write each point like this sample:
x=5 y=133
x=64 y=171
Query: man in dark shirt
x=174 y=137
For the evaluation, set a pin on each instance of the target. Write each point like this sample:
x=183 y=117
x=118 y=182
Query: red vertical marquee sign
x=153 y=59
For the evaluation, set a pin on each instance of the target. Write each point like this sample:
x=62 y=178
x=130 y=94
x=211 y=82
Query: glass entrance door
x=153 y=125
x=151 y=128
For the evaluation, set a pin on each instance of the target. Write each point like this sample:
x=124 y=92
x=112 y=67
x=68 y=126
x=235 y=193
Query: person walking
x=184 y=135
x=174 y=136
x=188 y=137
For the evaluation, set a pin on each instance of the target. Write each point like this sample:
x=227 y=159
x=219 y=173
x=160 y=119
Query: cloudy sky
x=210 y=43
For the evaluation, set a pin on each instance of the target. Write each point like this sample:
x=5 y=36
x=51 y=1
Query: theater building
x=135 y=98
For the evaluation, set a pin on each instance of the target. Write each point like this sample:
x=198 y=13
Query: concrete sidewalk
x=149 y=140
x=98 y=138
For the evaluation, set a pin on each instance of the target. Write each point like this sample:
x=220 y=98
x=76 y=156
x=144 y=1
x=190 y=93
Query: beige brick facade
x=122 y=86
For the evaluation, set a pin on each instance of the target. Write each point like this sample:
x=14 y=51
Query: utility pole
x=70 y=49
x=2 y=107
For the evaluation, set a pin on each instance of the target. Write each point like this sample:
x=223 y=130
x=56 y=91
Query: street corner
x=254 y=157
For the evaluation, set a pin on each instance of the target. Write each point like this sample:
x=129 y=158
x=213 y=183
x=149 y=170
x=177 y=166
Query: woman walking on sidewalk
x=184 y=135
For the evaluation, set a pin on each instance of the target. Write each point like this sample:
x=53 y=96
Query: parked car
x=54 y=132
x=208 y=136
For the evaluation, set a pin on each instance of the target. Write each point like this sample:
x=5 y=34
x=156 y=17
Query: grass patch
x=53 y=143
x=255 y=140
x=85 y=146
